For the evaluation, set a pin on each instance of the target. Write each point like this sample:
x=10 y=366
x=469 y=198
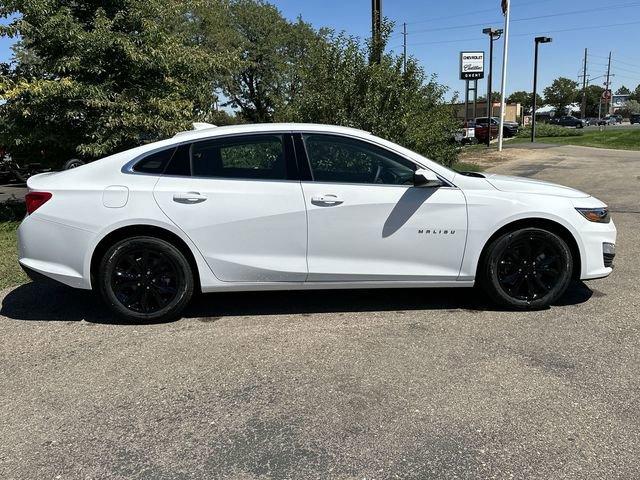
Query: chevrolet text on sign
x=471 y=65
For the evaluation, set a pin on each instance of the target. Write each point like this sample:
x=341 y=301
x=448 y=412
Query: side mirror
x=426 y=178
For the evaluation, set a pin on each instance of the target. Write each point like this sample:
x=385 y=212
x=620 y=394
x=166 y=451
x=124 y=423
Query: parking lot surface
x=344 y=384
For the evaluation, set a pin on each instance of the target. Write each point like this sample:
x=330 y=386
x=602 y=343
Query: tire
x=72 y=163
x=526 y=269
x=145 y=280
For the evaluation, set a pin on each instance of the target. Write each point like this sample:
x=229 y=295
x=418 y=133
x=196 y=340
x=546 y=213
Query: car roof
x=266 y=128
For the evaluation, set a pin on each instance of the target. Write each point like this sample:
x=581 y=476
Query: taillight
x=35 y=200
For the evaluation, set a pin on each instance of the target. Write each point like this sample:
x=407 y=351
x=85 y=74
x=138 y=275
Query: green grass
x=10 y=272
x=617 y=139
x=611 y=138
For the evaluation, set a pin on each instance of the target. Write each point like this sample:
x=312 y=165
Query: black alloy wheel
x=145 y=279
x=527 y=269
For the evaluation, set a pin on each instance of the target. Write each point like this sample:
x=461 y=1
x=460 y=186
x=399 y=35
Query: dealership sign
x=471 y=65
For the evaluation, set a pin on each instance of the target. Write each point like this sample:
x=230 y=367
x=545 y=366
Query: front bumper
x=598 y=250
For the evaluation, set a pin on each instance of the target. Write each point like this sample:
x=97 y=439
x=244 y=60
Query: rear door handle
x=326 y=200
x=189 y=198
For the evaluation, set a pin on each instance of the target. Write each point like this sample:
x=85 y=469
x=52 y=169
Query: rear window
x=155 y=163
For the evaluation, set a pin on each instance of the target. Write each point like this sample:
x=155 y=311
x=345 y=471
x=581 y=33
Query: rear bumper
x=54 y=250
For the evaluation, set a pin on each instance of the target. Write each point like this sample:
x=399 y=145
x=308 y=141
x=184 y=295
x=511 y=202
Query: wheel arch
x=536 y=222
x=147 y=230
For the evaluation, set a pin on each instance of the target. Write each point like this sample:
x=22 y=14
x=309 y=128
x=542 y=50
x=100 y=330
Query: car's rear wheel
x=527 y=269
x=145 y=279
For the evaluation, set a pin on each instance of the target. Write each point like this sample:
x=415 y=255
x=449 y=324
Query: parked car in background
x=510 y=128
x=608 y=120
x=483 y=131
x=295 y=207
x=634 y=118
x=466 y=135
x=568 y=121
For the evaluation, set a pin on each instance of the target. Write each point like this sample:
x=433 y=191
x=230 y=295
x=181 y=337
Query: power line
x=538 y=17
x=589 y=27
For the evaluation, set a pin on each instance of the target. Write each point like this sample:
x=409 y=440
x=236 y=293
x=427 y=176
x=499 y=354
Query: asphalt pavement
x=344 y=384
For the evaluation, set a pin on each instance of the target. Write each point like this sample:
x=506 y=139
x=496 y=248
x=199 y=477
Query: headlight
x=599 y=215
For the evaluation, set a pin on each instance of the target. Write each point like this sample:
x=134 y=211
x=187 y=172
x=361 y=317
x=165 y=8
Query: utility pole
x=494 y=34
x=376 y=30
x=583 y=109
x=404 y=46
x=534 y=103
x=606 y=102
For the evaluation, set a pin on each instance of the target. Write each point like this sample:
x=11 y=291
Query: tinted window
x=154 y=163
x=180 y=164
x=253 y=157
x=346 y=160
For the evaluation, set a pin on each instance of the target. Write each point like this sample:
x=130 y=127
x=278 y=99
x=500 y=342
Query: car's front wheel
x=145 y=279
x=526 y=269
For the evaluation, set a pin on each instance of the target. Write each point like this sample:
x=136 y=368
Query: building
x=514 y=111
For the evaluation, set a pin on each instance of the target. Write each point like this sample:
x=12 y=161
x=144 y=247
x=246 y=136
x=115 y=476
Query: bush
x=548 y=130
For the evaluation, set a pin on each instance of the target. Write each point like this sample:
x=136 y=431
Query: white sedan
x=291 y=206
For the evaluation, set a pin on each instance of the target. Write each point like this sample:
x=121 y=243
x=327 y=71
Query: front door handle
x=189 y=198
x=328 y=200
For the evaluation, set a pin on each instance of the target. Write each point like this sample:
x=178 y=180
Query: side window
x=346 y=160
x=155 y=163
x=251 y=157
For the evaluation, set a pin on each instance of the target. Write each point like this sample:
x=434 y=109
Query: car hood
x=527 y=185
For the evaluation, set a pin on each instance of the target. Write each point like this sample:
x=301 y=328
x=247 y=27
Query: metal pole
x=466 y=101
x=475 y=99
x=404 y=55
x=489 y=109
x=606 y=103
x=584 y=86
x=505 y=58
x=535 y=94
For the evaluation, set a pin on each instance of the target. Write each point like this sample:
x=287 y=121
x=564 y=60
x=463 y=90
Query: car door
x=239 y=200
x=366 y=220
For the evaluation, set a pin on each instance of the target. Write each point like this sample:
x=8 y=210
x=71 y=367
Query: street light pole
x=494 y=34
x=538 y=41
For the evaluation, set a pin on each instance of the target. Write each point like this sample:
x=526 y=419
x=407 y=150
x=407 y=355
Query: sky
x=439 y=29
x=593 y=24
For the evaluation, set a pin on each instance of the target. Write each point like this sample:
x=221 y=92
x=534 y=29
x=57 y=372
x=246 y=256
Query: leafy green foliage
x=561 y=93
x=338 y=85
x=96 y=77
x=525 y=99
x=92 y=78
x=594 y=94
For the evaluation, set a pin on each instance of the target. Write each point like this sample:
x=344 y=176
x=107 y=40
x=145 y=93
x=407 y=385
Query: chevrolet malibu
x=290 y=206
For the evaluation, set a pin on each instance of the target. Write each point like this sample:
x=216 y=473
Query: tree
x=268 y=47
x=623 y=91
x=94 y=77
x=594 y=95
x=636 y=94
x=561 y=93
x=337 y=84
x=525 y=99
x=630 y=106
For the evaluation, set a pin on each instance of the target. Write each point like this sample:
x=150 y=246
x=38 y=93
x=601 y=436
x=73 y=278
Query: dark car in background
x=634 y=118
x=608 y=120
x=510 y=128
x=568 y=121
